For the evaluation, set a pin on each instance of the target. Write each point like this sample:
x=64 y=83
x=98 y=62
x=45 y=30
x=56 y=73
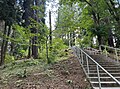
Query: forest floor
x=65 y=74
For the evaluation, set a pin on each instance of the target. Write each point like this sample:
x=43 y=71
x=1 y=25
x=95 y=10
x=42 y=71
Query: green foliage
x=85 y=19
x=58 y=47
x=94 y=17
x=21 y=68
x=22 y=52
x=58 y=44
x=57 y=51
x=9 y=58
x=7 y=11
x=68 y=19
x=52 y=57
x=32 y=62
x=22 y=73
x=42 y=55
x=22 y=34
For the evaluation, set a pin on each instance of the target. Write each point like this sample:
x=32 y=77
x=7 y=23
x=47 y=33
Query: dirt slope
x=66 y=74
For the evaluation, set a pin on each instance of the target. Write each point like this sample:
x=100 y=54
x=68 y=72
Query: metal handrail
x=109 y=47
x=116 y=50
x=98 y=65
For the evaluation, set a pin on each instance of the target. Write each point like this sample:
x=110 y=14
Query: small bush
x=32 y=62
x=22 y=73
x=52 y=57
x=9 y=58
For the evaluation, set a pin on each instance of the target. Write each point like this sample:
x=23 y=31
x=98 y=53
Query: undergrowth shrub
x=22 y=74
x=9 y=58
x=58 y=47
x=42 y=55
x=31 y=63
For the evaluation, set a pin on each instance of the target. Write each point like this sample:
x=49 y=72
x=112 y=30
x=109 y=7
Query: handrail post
x=116 y=54
x=98 y=77
x=81 y=58
x=76 y=52
x=87 y=65
x=79 y=53
x=106 y=51
x=100 y=48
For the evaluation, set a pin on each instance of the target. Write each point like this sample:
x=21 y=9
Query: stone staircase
x=104 y=81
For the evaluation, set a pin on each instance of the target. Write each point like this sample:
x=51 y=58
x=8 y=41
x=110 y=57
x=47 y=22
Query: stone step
x=103 y=65
x=99 y=63
x=107 y=87
x=101 y=71
x=107 y=68
x=105 y=84
x=109 y=82
x=104 y=74
x=103 y=78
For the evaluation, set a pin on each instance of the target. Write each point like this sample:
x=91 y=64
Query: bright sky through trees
x=53 y=7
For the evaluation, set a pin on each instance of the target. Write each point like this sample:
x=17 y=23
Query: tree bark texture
x=5 y=43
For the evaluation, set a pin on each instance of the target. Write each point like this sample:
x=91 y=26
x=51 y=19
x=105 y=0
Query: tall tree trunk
x=34 y=45
x=99 y=40
x=117 y=36
x=26 y=16
x=2 y=47
x=73 y=38
x=12 y=45
x=29 y=49
x=110 y=38
x=5 y=43
x=47 y=49
x=50 y=30
x=35 y=31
